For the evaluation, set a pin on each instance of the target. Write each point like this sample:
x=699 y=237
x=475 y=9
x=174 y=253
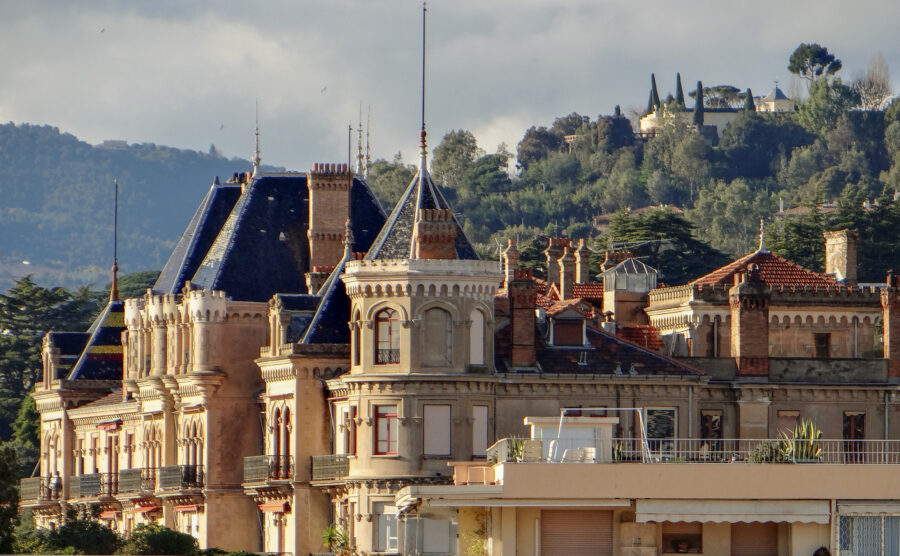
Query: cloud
x=175 y=72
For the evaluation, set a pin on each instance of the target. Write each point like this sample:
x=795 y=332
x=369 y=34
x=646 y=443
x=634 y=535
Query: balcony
x=93 y=485
x=264 y=469
x=37 y=491
x=181 y=477
x=387 y=356
x=137 y=480
x=330 y=468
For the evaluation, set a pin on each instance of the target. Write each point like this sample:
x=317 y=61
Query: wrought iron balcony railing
x=175 y=477
x=93 y=485
x=328 y=467
x=385 y=356
x=137 y=480
x=261 y=469
x=34 y=489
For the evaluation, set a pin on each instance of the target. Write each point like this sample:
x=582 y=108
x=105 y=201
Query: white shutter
x=476 y=338
x=479 y=430
x=581 y=532
x=436 y=536
x=437 y=430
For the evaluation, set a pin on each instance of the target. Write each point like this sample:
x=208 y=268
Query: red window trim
x=391 y=431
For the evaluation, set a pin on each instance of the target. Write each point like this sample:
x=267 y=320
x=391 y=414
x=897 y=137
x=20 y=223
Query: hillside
x=57 y=209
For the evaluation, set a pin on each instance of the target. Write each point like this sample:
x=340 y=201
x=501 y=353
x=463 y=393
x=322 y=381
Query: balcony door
x=583 y=532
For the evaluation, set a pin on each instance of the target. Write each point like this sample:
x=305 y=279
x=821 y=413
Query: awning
x=109 y=514
x=145 y=509
x=275 y=506
x=734 y=511
x=110 y=425
x=186 y=507
x=869 y=507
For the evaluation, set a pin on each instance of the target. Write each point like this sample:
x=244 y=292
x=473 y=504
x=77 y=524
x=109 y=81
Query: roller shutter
x=754 y=539
x=576 y=532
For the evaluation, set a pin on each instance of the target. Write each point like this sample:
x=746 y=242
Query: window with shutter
x=437 y=430
x=479 y=430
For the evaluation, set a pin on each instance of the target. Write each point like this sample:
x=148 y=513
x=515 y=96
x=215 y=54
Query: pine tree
x=679 y=92
x=749 y=105
x=698 y=106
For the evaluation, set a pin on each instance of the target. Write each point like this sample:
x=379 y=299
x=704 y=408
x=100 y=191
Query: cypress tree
x=653 y=102
x=679 y=92
x=698 y=106
x=749 y=105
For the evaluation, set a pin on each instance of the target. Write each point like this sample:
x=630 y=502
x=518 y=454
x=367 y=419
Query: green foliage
x=389 y=180
x=156 y=539
x=800 y=239
x=454 y=156
x=27 y=312
x=827 y=102
x=698 y=105
x=811 y=61
x=663 y=239
x=679 y=91
x=755 y=145
x=10 y=471
x=803 y=444
x=536 y=145
x=134 y=284
x=727 y=215
x=718 y=96
x=749 y=106
x=336 y=539
x=653 y=101
x=767 y=452
x=79 y=535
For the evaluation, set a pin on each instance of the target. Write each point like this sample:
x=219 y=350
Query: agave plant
x=803 y=444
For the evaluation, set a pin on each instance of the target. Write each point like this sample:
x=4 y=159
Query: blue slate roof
x=102 y=356
x=197 y=238
x=395 y=239
x=329 y=324
x=263 y=249
x=776 y=94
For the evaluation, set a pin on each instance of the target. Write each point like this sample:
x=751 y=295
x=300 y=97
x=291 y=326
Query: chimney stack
x=510 y=262
x=434 y=236
x=329 y=208
x=522 y=292
x=890 y=305
x=566 y=274
x=840 y=255
x=553 y=252
x=749 y=300
x=582 y=263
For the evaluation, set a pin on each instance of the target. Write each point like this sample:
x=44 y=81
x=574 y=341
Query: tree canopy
x=811 y=61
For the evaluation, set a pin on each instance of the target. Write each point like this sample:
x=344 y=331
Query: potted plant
x=804 y=444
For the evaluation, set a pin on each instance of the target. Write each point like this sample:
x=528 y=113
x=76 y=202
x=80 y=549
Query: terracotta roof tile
x=774 y=271
x=643 y=335
x=588 y=291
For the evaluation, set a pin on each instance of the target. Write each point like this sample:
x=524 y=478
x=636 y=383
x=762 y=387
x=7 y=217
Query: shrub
x=156 y=539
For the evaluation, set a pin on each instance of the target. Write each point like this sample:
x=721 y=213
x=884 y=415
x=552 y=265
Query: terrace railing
x=260 y=469
x=330 y=467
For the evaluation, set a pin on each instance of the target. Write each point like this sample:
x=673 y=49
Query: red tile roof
x=588 y=291
x=774 y=271
x=643 y=335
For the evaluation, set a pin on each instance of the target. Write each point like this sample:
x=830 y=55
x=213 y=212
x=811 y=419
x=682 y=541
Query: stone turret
x=840 y=255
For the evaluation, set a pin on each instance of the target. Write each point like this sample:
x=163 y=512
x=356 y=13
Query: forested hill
x=56 y=203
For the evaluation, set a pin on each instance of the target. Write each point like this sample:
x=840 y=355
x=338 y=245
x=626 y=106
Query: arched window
x=476 y=338
x=438 y=337
x=387 y=337
x=285 y=467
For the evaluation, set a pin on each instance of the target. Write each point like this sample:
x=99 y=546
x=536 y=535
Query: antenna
x=114 y=288
x=349 y=147
x=423 y=153
x=257 y=160
x=359 y=147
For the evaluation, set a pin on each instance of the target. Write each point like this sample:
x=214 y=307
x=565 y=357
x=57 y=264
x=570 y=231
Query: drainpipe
x=691 y=411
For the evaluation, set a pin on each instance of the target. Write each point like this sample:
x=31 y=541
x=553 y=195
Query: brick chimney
x=522 y=293
x=840 y=255
x=749 y=300
x=329 y=208
x=612 y=258
x=434 y=236
x=553 y=252
x=566 y=274
x=510 y=262
x=582 y=263
x=890 y=305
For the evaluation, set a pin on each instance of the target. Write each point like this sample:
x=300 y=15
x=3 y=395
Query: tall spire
x=114 y=288
x=257 y=160
x=359 y=146
x=368 y=159
x=423 y=149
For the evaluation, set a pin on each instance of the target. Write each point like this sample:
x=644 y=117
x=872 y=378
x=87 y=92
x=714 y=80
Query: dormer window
x=387 y=337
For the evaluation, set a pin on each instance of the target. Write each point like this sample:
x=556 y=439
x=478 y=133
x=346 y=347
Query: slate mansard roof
x=395 y=239
x=261 y=248
x=101 y=357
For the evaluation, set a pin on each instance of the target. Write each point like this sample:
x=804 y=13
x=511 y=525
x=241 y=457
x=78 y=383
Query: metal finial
x=348 y=234
x=423 y=150
x=368 y=126
x=359 y=146
x=114 y=288
x=257 y=159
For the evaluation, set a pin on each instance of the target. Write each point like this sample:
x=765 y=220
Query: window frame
x=391 y=421
x=390 y=318
x=379 y=519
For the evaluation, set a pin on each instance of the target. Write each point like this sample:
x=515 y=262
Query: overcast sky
x=187 y=74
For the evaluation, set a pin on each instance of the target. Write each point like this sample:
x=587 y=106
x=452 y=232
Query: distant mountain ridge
x=56 y=203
